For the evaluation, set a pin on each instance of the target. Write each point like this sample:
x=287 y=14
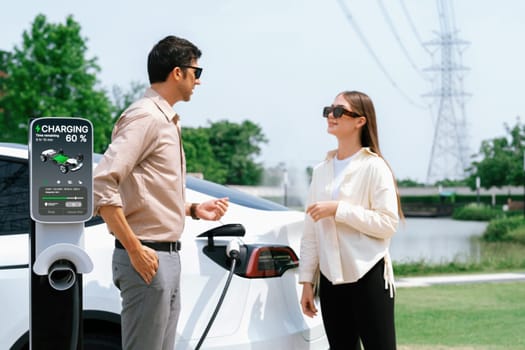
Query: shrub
x=475 y=212
x=498 y=229
x=517 y=234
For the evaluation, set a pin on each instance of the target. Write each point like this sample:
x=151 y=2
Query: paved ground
x=460 y=278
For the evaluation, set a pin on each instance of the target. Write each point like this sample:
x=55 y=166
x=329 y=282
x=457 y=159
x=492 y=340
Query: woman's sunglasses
x=338 y=112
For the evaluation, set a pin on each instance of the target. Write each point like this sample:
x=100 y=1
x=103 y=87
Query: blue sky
x=278 y=62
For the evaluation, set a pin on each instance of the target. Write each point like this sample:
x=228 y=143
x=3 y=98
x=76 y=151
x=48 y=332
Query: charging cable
x=233 y=251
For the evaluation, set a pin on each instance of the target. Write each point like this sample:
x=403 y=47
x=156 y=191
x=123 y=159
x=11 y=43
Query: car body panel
x=257 y=313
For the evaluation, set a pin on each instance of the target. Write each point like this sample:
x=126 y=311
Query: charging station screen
x=61 y=171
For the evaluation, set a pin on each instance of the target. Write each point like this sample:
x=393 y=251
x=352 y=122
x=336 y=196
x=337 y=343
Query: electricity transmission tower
x=449 y=155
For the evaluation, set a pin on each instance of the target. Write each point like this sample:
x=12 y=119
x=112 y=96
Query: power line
x=398 y=38
x=372 y=53
x=413 y=27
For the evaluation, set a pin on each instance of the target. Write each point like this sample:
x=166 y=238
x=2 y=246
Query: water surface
x=436 y=240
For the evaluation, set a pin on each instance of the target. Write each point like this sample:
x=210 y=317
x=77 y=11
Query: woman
x=353 y=210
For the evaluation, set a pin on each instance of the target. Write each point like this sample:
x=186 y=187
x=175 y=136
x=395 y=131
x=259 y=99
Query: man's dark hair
x=169 y=53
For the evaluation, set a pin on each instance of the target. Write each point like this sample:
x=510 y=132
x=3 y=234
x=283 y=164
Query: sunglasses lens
x=198 y=72
x=338 y=112
x=326 y=111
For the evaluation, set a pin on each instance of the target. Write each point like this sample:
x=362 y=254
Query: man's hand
x=146 y=262
x=143 y=259
x=213 y=209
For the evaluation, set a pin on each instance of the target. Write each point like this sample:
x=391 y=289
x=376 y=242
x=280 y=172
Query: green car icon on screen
x=65 y=163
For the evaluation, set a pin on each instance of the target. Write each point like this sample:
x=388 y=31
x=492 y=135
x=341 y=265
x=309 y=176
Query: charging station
x=61 y=200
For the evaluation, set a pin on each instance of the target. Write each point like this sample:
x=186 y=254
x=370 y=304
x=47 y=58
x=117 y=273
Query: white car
x=260 y=310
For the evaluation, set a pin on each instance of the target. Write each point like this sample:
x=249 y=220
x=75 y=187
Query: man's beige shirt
x=143 y=170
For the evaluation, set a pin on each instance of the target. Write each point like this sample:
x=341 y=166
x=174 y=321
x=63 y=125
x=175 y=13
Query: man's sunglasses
x=338 y=112
x=197 y=70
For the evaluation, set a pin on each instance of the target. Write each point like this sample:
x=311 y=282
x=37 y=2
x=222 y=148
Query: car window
x=14 y=196
x=215 y=190
x=235 y=196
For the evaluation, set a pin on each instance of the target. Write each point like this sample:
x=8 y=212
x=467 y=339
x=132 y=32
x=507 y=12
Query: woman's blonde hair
x=362 y=105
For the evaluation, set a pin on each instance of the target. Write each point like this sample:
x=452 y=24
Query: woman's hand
x=307 y=300
x=321 y=210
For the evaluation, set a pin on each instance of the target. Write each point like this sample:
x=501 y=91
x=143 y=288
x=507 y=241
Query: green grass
x=466 y=316
x=486 y=316
x=493 y=257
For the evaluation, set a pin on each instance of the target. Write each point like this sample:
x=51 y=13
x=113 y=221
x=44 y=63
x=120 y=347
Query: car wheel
x=91 y=341
x=43 y=158
x=64 y=169
x=101 y=341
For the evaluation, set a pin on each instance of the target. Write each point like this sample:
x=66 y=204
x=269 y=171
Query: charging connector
x=233 y=251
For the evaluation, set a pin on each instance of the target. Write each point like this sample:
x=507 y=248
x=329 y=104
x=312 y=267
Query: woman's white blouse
x=347 y=246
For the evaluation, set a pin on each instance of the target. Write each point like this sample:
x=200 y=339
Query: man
x=139 y=188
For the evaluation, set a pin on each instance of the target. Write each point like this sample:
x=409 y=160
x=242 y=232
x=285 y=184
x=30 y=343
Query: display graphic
x=65 y=163
x=61 y=169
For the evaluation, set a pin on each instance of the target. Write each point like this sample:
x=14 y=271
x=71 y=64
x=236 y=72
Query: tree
x=4 y=56
x=122 y=99
x=409 y=183
x=49 y=75
x=199 y=155
x=501 y=161
x=224 y=152
x=235 y=147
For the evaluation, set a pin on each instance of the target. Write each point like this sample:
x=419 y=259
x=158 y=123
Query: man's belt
x=160 y=246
